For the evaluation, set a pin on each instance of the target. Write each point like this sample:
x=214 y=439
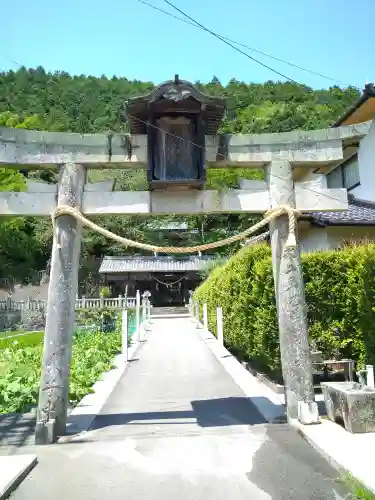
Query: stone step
x=165 y=311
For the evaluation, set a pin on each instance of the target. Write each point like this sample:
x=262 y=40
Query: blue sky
x=127 y=38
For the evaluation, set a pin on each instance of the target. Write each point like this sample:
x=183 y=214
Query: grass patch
x=10 y=333
x=20 y=339
x=357 y=490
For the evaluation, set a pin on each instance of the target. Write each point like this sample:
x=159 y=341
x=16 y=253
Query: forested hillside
x=35 y=99
x=61 y=102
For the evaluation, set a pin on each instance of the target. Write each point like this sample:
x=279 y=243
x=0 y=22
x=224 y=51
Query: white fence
x=83 y=303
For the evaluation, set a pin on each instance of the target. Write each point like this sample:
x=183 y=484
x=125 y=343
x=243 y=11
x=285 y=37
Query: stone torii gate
x=176 y=112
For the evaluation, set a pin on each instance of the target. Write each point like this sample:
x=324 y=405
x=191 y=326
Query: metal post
x=144 y=303
x=370 y=376
x=137 y=316
x=205 y=317
x=124 y=332
x=145 y=310
x=197 y=314
x=191 y=303
x=149 y=311
x=219 y=323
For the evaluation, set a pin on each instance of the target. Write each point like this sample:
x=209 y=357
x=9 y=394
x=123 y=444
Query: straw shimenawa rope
x=292 y=214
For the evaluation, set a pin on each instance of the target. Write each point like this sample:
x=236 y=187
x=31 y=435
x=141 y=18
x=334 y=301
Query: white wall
x=313 y=240
x=331 y=238
x=337 y=235
x=366 y=166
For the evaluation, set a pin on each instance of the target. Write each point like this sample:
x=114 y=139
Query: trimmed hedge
x=340 y=291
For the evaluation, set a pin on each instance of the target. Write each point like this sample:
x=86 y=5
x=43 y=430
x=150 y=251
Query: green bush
x=20 y=369
x=94 y=316
x=340 y=290
x=105 y=292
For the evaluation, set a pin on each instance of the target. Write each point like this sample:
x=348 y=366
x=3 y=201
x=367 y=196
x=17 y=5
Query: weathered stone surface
x=294 y=345
x=29 y=147
x=53 y=395
x=244 y=153
x=308 y=413
x=186 y=202
x=290 y=298
x=354 y=405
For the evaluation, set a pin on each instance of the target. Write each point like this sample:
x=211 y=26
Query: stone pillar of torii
x=283 y=156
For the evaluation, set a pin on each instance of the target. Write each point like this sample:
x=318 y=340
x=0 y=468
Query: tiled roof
x=359 y=213
x=152 y=264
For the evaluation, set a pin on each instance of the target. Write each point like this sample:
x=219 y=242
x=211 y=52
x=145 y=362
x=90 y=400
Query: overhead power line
x=224 y=38
x=219 y=37
x=10 y=59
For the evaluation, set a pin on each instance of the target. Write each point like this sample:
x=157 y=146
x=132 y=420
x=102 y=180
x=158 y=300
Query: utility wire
x=219 y=37
x=244 y=45
x=10 y=59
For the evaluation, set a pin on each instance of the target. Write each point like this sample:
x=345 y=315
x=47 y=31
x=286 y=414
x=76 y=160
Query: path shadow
x=17 y=429
x=207 y=413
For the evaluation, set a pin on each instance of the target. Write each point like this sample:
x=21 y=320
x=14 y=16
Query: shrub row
x=340 y=291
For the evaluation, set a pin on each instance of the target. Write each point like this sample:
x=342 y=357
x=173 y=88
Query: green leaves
x=340 y=293
x=20 y=369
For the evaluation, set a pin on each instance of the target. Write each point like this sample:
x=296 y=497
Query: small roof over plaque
x=174 y=97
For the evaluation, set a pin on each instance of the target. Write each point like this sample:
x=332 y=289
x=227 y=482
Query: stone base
x=308 y=413
x=350 y=404
x=45 y=432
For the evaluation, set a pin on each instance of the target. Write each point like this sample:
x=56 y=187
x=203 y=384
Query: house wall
x=366 y=164
x=366 y=170
x=337 y=235
x=331 y=238
x=313 y=239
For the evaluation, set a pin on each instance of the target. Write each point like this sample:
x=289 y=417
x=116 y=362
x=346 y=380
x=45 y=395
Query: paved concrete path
x=177 y=426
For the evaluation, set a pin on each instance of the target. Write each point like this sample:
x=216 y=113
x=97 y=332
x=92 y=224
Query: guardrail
x=81 y=303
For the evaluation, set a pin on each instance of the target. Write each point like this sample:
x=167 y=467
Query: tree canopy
x=36 y=99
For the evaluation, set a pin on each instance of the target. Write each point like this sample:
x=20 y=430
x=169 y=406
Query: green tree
x=18 y=249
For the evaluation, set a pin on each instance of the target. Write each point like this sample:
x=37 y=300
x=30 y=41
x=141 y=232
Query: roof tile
x=152 y=264
x=359 y=212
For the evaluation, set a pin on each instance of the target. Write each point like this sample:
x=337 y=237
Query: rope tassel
x=272 y=214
